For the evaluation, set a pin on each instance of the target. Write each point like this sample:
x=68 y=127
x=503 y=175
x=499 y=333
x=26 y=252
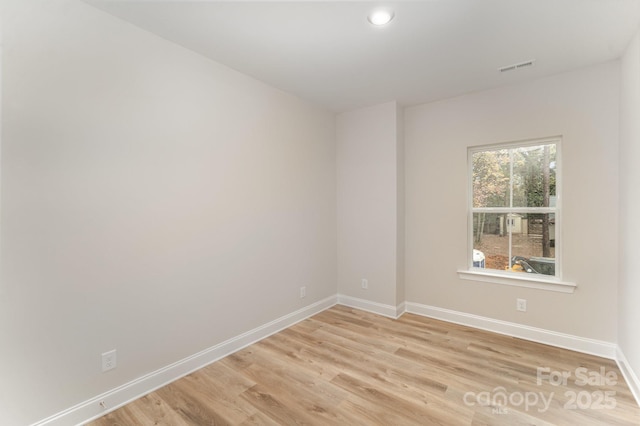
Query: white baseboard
x=548 y=337
x=374 y=307
x=629 y=375
x=115 y=398
x=122 y=395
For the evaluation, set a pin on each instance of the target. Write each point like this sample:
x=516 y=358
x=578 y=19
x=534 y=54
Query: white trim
x=374 y=307
x=548 y=337
x=557 y=210
x=401 y=309
x=494 y=146
x=629 y=375
x=514 y=210
x=115 y=398
x=518 y=279
x=122 y=395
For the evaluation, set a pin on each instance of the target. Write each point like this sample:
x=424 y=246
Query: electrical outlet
x=521 y=305
x=109 y=361
x=303 y=292
x=365 y=283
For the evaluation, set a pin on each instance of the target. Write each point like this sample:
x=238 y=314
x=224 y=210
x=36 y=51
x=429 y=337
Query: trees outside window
x=514 y=209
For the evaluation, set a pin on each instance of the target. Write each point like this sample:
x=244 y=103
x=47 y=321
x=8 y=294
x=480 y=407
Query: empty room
x=319 y=212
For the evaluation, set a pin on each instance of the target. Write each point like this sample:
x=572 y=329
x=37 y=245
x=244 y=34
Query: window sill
x=519 y=280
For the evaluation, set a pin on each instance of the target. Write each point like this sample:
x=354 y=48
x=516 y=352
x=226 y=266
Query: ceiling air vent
x=516 y=66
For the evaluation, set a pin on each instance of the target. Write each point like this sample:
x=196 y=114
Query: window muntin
x=514 y=210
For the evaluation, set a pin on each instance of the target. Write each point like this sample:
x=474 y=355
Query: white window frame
x=520 y=279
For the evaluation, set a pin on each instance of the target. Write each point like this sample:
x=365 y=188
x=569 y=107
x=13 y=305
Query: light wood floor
x=349 y=367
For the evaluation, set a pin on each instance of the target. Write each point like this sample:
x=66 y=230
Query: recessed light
x=380 y=17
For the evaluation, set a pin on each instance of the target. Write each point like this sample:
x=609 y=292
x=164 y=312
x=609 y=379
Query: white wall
x=159 y=203
x=153 y=201
x=629 y=288
x=368 y=151
x=400 y=202
x=582 y=106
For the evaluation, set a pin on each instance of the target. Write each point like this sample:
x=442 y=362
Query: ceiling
x=328 y=53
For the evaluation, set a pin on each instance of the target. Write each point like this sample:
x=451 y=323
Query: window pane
x=534 y=176
x=536 y=236
x=490 y=241
x=517 y=242
x=491 y=178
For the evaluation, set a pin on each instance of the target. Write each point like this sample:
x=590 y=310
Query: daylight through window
x=514 y=207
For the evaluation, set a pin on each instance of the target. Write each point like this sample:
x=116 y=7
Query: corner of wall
x=370 y=204
x=629 y=210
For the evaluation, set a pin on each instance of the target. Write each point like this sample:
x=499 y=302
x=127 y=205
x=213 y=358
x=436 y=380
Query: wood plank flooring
x=349 y=367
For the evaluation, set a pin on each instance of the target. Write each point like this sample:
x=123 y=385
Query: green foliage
x=528 y=174
x=491 y=178
x=514 y=177
x=491 y=171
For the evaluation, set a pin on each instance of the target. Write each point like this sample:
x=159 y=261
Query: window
x=514 y=213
